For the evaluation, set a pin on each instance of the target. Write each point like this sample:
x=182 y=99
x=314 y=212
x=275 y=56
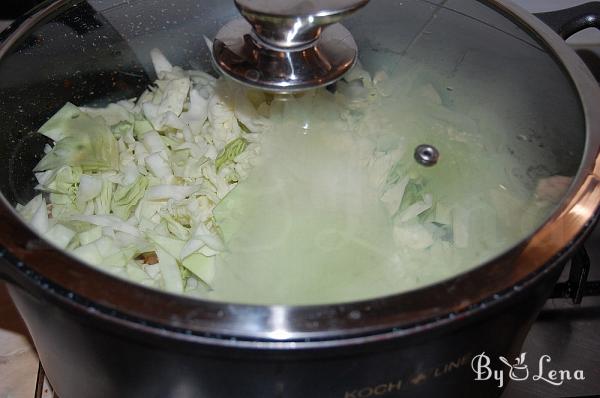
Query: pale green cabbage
x=135 y=183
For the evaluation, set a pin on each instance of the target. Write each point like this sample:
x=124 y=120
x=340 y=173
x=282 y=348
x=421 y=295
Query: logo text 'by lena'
x=519 y=371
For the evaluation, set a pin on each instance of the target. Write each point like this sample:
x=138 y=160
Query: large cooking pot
x=101 y=336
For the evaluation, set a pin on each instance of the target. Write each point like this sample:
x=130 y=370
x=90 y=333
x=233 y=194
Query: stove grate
x=43 y=389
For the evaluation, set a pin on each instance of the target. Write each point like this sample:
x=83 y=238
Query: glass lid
x=451 y=140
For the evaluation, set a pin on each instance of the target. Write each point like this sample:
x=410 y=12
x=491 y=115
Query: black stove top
x=11 y=9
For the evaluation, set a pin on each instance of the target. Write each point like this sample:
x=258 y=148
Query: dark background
x=10 y=9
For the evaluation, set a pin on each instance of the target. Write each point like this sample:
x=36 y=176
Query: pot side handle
x=571 y=20
x=578 y=285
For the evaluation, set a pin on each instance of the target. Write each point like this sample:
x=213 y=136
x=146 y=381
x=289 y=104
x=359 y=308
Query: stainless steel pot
x=100 y=336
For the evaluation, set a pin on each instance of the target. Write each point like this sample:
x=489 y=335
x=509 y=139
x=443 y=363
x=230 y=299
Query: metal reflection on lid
x=287 y=46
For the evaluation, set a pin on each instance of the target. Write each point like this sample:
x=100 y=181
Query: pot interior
x=455 y=75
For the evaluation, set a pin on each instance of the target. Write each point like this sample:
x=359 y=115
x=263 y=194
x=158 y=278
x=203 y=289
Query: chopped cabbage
x=204 y=187
x=230 y=152
x=131 y=187
x=80 y=141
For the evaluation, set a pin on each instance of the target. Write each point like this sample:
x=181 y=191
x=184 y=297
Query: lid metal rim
x=278 y=87
x=294 y=324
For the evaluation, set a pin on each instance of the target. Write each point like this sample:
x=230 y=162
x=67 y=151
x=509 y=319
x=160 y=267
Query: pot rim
x=151 y=310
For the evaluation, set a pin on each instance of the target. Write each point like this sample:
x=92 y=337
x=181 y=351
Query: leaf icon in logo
x=505 y=361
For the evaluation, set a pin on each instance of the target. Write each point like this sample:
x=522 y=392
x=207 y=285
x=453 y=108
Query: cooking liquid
x=307 y=225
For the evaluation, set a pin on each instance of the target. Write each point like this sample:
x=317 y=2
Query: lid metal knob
x=294 y=23
x=287 y=45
